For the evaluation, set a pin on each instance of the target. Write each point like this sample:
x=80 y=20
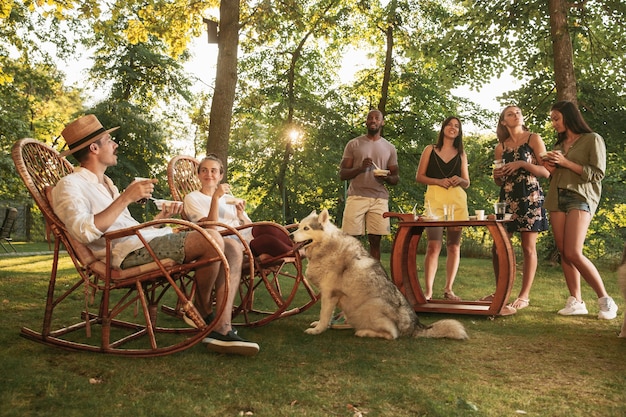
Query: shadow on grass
x=534 y=362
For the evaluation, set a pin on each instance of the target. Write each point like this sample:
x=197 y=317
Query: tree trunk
x=562 y=49
x=225 y=81
x=384 y=90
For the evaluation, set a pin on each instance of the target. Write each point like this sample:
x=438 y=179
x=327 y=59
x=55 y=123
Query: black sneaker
x=231 y=343
x=207 y=319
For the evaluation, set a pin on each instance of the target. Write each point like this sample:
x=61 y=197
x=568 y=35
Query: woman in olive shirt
x=577 y=165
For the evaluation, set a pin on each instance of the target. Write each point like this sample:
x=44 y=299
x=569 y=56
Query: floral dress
x=523 y=193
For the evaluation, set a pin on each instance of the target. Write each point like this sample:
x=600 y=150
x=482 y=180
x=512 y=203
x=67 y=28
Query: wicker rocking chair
x=124 y=320
x=277 y=288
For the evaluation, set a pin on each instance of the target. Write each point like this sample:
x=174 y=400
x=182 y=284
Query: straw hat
x=82 y=132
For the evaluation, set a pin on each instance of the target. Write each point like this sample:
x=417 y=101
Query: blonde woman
x=519 y=185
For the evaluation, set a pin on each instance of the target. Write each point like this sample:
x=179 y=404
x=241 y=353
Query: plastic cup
x=500 y=209
x=480 y=214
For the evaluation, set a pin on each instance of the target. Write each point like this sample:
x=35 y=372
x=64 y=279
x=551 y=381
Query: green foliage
x=140 y=73
x=290 y=55
x=34 y=104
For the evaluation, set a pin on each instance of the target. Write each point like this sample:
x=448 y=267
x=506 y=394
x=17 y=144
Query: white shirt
x=78 y=197
x=198 y=204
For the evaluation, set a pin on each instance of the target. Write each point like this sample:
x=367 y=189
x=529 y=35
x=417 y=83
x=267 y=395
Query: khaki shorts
x=365 y=215
x=171 y=245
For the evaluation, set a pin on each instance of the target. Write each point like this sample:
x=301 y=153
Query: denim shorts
x=171 y=245
x=571 y=200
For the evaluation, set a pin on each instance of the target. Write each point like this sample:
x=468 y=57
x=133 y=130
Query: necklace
x=456 y=162
x=567 y=144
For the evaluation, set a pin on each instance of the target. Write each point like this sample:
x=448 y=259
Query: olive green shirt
x=588 y=151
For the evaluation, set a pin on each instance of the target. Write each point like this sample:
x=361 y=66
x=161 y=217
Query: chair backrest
x=41 y=167
x=9 y=223
x=182 y=176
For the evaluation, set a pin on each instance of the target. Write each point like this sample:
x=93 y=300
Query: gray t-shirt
x=384 y=156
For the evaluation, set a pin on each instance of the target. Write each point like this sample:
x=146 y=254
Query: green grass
x=536 y=361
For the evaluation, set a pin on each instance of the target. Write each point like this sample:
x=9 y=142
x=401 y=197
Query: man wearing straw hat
x=90 y=204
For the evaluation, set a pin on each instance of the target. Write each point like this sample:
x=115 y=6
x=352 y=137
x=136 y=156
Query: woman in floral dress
x=519 y=185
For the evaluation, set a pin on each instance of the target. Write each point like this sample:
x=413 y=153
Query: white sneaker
x=573 y=307
x=608 y=308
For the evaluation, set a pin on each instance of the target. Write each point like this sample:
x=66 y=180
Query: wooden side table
x=404 y=266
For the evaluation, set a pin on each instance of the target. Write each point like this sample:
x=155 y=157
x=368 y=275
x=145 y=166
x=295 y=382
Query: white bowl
x=381 y=172
x=160 y=203
x=232 y=200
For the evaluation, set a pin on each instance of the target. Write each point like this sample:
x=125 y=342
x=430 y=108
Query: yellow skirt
x=436 y=197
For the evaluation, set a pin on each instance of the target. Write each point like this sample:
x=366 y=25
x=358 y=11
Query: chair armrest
x=136 y=231
x=128 y=231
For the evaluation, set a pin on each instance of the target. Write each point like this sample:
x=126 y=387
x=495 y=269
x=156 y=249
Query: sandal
x=449 y=295
x=507 y=311
x=520 y=303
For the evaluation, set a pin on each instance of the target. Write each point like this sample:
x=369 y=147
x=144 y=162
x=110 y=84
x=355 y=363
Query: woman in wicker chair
x=214 y=202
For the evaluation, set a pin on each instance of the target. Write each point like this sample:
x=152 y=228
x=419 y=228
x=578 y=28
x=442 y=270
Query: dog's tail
x=448 y=328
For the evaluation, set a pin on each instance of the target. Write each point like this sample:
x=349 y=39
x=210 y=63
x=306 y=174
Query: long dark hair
x=458 y=141
x=501 y=130
x=572 y=119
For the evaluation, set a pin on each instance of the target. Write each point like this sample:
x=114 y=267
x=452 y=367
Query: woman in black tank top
x=443 y=168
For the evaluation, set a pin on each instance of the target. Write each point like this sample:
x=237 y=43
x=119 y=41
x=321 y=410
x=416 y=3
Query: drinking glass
x=500 y=209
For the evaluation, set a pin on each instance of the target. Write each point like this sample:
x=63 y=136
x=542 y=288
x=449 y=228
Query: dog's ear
x=323 y=217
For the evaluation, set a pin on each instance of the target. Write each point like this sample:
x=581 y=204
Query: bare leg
x=453 y=247
x=374 y=241
x=433 y=248
x=234 y=253
x=529 y=248
x=575 y=232
x=197 y=248
x=572 y=277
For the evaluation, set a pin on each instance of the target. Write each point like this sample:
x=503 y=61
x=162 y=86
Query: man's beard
x=373 y=131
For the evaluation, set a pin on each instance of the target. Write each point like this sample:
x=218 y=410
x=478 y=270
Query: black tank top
x=439 y=169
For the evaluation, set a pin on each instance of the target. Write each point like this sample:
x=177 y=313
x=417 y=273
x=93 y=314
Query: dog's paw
x=314 y=323
x=314 y=330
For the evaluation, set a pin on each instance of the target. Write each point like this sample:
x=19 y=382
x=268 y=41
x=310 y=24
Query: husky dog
x=621 y=279
x=348 y=277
